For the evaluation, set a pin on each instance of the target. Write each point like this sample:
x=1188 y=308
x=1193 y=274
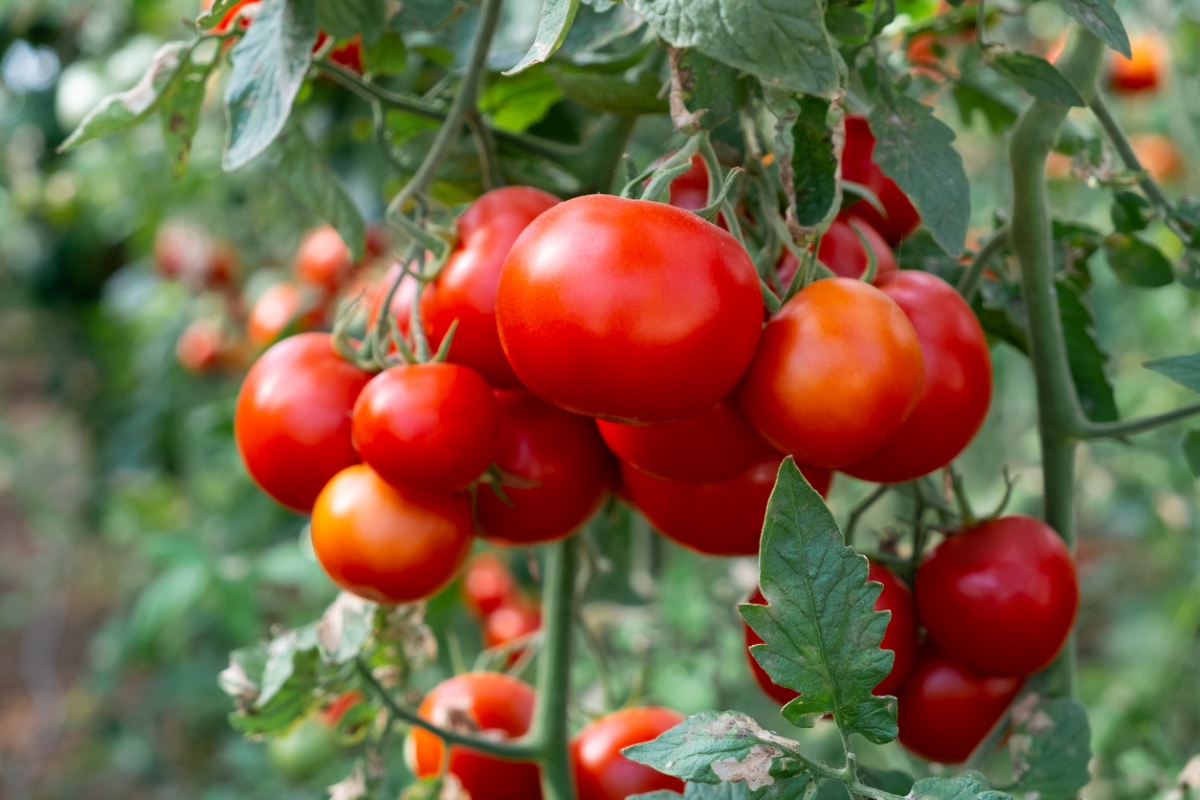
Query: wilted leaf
x=1050 y=748
x=181 y=103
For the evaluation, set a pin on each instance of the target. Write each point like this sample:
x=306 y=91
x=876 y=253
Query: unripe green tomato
x=304 y=750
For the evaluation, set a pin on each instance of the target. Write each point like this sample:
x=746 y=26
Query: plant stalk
x=548 y=733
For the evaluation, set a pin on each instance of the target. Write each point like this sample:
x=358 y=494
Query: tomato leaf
x=1191 y=451
x=1184 y=370
x=782 y=42
x=215 y=13
x=596 y=27
x=820 y=631
x=1137 y=263
x=700 y=791
x=388 y=56
x=513 y=104
x=341 y=19
x=269 y=64
x=970 y=98
x=612 y=93
x=1037 y=76
x=316 y=185
x=814 y=164
x=1050 y=747
x=710 y=86
x=181 y=103
x=555 y=23
x=427 y=14
x=1099 y=17
x=968 y=786
x=1130 y=212
x=273 y=685
x=1084 y=355
x=915 y=149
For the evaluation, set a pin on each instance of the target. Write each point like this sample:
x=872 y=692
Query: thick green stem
x=548 y=733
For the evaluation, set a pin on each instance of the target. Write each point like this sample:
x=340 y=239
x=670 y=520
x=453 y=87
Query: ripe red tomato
x=1000 y=597
x=714 y=446
x=945 y=710
x=627 y=310
x=722 y=519
x=282 y=307
x=199 y=347
x=842 y=251
x=565 y=456
x=427 y=426
x=602 y=773
x=957 y=388
x=487 y=583
x=401 y=307
x=187 y=253
x=386 y=544
x=347 y=54
x=690 y=190
x=515 y=619
x=292 y=422
x=323 y=260
x=466 y=288
x=836 y=374
x=857 y=166
x=900 y=636
x=493 y=704
x=1143 y=72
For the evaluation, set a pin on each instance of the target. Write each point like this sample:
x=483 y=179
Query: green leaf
x=1084 y=355
x=388 y=56
x=555 y=23
x=341 y=19
x=1130 y=211
x=700 y=791
x=215 y=13
x=181 y=103
x=969 y=786
x=820 y=631
x=710 y=86
x=970 y=98
x=914 y=149
x=845 y=22
x=1037 y=76
x=427 y=14
x=782 y=42
x=1184 y=370
x=1099 y=17
x=1191 y=450
x=513 y=104
x=814 y=164
x=286 y=669
x=269 y=64
x=316 y=185
x=612 y=93
x=1050 y=748
x=1137 y=263
x=122 y=111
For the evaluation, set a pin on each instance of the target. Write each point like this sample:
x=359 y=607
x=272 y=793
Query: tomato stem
x=996 y=241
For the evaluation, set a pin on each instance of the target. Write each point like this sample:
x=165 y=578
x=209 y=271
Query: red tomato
x=602 y=773
x=332 y=714
x=494 y=705
x=517 y=618
x=957 y=388
x=723 y=519
x=1000 y=597
x=386 y=544
x=836 y=374
x=187 y=253
x=900 y=636
x=199 y=347
x=842 y=251
x=1143 y=72
x=282 y=307
x=466 y=288
x=347 y=54
x=487 y=584
x=857 y=166
x=227 y=21
x=427 y=426
x=401 y=307
x=627 y=310
x=562 y=453
x=323 y=260
x=292 y=422
x=715 y=446
x=945 y=709
x=690 y=190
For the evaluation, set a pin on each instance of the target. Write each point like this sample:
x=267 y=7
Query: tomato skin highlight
x=858 y=166
x=427 y=426
x=323 y=260
x=490 y=702
x=563 y=453
x=837 y=372
x=628 y=310
x=1000 y=597
x=292 y=422
x=386 y=544
x=602 y=773
x=957 y=388
x=466 y=288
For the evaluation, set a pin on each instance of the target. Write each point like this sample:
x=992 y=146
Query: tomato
x=714 y=446
x=466 y=288
x=1143 y=72
x=487 y=583
x=562 y=454
x=690 y=190
x=627 y=310
x=1158 y=155
x=280 y=308
x=516 y=618
x=836 y=374
x=401 y=306
x=1000 y=597
x=427 y=426
x=347 y=54
x=842 y=251
x=957 y=387
x=386 y=544
x=199 y=347
x=304 y=750
x=187 y=253
x=723 y=519
x=493 y=704
x=292 y=422
x=227 y=21
x=857 y=165
x=323 y=260
x=945 y=710
x=602 y=773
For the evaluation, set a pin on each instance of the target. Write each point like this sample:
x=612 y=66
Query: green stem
x=548 y=734
x=1127 y=427
x=968 y=284
x=861 y=508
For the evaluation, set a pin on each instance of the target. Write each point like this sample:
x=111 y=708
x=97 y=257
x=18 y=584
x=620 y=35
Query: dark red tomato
x=627 y=310
x=602 y=773
x=1143 y=72
x=957 y=387
x=900 y=637
x=487 y=584
x=323 y=260
x=836 y=374
x=466 y=288
x=562 y=454
x=857 y=166
x=945 y=710
x=715 y=446
x=292 y=422
x=386 y=544
x=427 y=426
x=199 y=347
x=517 y=618
x=494 y=705
x=1000 y=597
x=842 y=251
x=283 y=307
x=722 y=519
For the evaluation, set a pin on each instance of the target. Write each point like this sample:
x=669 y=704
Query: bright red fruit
x=487 y=583
x=292 y=422
x=602 y=773
x=494 y=705
x=722 y=519
x=517 y=618
x=842 y=251
x=957 y=387
x=199 y=347
x=562 y=454
x=282 y=307
x=323 y=259
x=857 y=166
x=690 y=190
x=466 y=288
x=401 y=306
x=837 y=372
x=945 y=709
x=627 y=310
x=1000 y=597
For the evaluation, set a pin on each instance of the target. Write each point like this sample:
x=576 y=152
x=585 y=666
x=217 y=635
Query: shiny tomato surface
x=602 y=773
x=323 y=260
x=901 y=216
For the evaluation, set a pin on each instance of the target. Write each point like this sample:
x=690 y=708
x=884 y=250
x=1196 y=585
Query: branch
x=861 y=508
x=548 y=735
x=968 y=284
x=1099 y=430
